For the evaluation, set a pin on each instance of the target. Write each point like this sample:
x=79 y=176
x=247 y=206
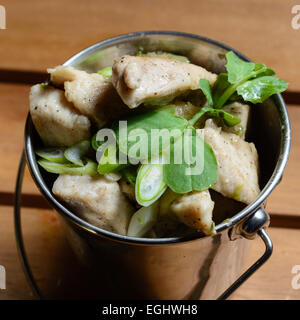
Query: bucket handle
x=249 y=229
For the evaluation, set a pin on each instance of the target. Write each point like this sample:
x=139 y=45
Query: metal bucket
x=175 y=268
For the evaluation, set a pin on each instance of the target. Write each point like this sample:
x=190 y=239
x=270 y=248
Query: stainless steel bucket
x=175 y=268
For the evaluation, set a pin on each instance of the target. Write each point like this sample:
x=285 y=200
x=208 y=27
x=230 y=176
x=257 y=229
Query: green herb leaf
x=161 y=121
x=219 y=88
x=205 y=87
x=229 y=119
x=259 y=89
x=240 y=72
x=237 y=68
x=190 y=175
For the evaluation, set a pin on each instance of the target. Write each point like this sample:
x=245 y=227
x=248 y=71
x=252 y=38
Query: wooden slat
x=40 y=34
x=284 y=198
x=14 y=108
x=60 y=276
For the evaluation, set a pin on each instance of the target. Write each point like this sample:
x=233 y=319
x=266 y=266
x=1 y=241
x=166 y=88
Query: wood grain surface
x=40 y=34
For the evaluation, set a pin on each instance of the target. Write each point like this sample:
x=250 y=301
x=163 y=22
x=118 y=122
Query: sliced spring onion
x=143 y=220
x=108 y=168
x=52 y=154
x=113 y=176
x=150 y=184
x=108 y=161
x=75 y=153
x=106 y=72
x=90 y=168
x=162 y=54
x=95 y=144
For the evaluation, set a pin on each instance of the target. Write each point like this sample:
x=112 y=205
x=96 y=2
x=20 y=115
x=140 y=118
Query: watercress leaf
x=199 y=114
x=259 y=89
x=261 y=70
x=206 y=88
x=229 y=119
x=195 y=168
x=234 y=97
x=267 y=72
x=154 y=122
x=237 y=68
x=259 y=67
x=219 y=87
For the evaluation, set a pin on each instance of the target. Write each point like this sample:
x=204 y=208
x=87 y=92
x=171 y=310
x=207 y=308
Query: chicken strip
x=127 y=189
x=97 y=200
x=242 y=111
x=55 y=119
x=92 y=94
x=195 y=210
x=185 y=109
x=237 y=163
x=155 y=80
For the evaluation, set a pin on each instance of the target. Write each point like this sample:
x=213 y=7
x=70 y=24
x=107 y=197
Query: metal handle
x=253 y=226
x=18 y=229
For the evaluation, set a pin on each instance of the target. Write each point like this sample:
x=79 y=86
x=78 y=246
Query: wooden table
x=41 y=34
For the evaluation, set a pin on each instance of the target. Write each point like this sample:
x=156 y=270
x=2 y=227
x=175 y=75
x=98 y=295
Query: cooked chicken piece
x=155 y=80
x=195 y=210
x=185 y=109
x=242 y=111
x=92 y=94
x=55 y=119
x=127 y=189
x=237 y=163
x=95 y=199
x=60 y=74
